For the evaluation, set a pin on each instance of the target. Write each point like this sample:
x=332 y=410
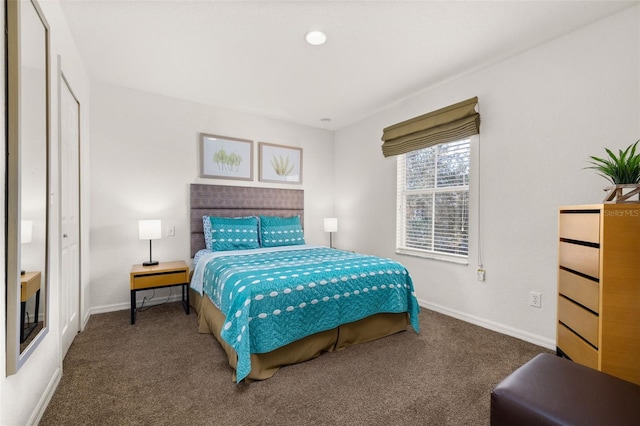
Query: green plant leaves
x=281 y=165
x=226 y=161
x=623 y=168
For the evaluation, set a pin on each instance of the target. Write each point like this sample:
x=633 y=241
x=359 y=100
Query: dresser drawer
x=580 y=227
x=576 y=348
x=578 y=319
x=580 y=258
x=582 y=290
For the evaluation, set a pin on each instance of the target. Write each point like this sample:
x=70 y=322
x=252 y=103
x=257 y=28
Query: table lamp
x=331 y=226
x=26 y=234
x=150 y=230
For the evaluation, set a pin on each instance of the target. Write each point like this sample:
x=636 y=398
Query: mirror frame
x=14 y=358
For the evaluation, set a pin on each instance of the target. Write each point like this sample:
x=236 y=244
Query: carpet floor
x=160 y=371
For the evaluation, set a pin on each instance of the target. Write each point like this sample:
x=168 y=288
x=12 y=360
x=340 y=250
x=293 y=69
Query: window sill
x=460 y=260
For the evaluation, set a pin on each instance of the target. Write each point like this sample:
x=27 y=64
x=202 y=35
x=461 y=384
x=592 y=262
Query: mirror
x=27 y=180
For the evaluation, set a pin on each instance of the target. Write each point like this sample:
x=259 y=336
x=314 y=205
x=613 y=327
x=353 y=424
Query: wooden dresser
x=599 y=288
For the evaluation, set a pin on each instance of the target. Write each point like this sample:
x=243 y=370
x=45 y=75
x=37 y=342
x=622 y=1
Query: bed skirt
x=265 y=365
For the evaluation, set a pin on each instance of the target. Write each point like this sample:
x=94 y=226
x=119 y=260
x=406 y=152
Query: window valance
x=455 y=122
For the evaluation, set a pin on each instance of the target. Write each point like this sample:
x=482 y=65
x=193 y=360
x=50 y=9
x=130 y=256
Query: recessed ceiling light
x=315 y=37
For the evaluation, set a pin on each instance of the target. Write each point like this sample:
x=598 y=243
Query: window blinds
x=452 y=123
x=433 y=199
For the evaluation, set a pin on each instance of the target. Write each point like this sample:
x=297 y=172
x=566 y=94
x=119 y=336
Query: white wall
x=24 y=396
x=543 y=113
x=144 y=155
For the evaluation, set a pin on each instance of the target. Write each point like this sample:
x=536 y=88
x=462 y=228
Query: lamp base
x=150 y=263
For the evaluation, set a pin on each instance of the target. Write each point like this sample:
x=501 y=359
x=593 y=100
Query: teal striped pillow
x=234 y=233
x=206 y=227
x=280 y=231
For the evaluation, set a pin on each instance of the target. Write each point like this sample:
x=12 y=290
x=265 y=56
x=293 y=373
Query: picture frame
x=223 y=157
x=279 y=163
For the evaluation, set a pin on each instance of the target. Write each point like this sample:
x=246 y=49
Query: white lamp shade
x=331 y=224
x=26 y=231
x=150 y=229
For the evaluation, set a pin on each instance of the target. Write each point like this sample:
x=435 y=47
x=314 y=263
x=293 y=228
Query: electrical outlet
x=481 y=274
x=535 y=299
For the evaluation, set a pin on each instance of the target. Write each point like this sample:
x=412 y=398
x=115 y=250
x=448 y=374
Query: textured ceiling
x=251 y=55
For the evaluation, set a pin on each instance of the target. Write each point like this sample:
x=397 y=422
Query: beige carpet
x=162 y=372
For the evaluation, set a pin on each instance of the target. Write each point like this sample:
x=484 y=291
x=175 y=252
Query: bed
x=274 y=306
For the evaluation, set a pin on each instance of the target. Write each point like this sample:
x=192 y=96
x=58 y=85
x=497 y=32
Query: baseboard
x=127 y=305
x=50 y=390
x=491 y=325
x=481 y=322
x=85 y=319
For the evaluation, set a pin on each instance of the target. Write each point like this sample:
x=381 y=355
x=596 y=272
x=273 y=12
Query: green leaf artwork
x=227 y=162
x=281 y=165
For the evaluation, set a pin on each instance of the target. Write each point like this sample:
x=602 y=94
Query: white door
x=69 y=215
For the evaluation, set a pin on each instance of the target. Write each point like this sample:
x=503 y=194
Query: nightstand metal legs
x=25 y=332
x=133 y=307
x=185 y=299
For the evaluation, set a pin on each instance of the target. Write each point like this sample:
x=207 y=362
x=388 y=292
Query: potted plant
x=623 y=170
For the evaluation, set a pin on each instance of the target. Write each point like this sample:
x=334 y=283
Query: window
x=433 y=201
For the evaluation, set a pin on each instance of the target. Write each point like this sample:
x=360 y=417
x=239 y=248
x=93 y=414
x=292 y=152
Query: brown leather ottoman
x=549 y=390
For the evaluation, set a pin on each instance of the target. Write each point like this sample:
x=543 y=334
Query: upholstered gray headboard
x=236 y=201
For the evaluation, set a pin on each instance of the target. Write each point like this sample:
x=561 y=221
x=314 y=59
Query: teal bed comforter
x=272 y=298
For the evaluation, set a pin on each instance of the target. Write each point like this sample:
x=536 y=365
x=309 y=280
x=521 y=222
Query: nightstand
x=164 y=274
x=29 y=286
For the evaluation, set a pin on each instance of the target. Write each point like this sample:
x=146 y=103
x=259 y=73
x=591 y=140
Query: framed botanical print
x=278 y=163
x=223 y=157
